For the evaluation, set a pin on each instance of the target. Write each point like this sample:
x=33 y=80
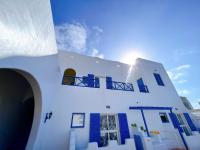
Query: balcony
x=122 y=86
x=114 y=85
x=84 y=81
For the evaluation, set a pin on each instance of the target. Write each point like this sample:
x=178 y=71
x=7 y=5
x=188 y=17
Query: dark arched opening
x=16 y=110
x=69 y=77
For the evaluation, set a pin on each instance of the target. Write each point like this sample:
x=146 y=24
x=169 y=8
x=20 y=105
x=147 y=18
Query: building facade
x=63 y=100
x=186 y=103
x=94 y=100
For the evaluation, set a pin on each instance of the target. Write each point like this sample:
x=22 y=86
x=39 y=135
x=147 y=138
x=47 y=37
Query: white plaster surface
x=26 y=28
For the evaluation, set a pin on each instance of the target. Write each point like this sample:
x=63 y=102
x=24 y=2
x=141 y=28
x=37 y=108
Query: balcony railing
x=122 y=86
x=81 y=81
x=114 y=85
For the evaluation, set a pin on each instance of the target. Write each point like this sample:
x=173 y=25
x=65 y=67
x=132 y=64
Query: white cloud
x=182 y=81
x=78 y=38
x=182 y=67
x=96 y=53
x=98 y=29
x=71 y=37
x=196 y=104
x=178 y=74
x=183 y=92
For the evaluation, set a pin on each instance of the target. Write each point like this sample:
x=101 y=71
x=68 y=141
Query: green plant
x=142 y=128
x=134 y=125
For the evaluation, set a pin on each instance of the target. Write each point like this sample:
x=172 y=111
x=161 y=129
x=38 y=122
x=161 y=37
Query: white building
x=64 y=100
x=186 y=102
x=196 y=117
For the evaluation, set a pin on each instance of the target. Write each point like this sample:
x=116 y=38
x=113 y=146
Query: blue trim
x=97 y=83
x=83 y=81
x=114 y=85
x=83 y=120
x=143 y=117
x=138 y=142
x=122 y=86
x=95 y=134
x=150 y=108
x=109 y=82
x=190 y=122
x=123 y=126
x=184 y=142
x=176 y=124
x=156 y=108
x=91 y=80
x=142 y=87
x=158 y=79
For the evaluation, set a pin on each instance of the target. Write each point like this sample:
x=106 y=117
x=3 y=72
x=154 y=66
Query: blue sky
x=167 y=31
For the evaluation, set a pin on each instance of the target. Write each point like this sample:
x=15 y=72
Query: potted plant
x=143 y=131
x=134 y=125
x=134 y=128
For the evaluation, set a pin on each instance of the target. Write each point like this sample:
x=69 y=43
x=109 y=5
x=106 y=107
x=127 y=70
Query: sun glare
x=130 y=57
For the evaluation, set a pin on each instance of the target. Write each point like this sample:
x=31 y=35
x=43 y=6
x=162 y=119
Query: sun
x=131 y=56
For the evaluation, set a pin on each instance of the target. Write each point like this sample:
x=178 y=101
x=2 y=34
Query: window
x=180 y=119
x=158 y=79
x=109 y=128
x=78 y=120
x=143 y=88
x=183 y=124
x=69 y=77
x=164 y=118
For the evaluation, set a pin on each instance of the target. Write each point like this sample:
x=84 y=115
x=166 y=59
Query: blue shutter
x=109 y=82
x=97 y=85
x=141 y=85
x=90 y=80
x=175 y=121
x=158 y=79
x=123 y=126
x=95 y=127
x=138 y=142
x=85 y=80
x=190 y=123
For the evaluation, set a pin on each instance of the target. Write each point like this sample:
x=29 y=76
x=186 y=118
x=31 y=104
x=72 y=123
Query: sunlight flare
x=131 y=56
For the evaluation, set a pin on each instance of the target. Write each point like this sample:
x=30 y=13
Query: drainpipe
x=145 y=122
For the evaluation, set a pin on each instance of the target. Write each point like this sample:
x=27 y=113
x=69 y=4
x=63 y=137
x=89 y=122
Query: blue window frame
x=163 y=117
x=143 y=88
x=158 y=79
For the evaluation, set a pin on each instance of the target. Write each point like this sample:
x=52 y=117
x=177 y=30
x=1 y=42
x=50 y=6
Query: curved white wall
x=26 y=28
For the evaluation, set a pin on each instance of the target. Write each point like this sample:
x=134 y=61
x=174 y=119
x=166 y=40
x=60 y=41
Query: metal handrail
x=122 y=86
x=79 y=81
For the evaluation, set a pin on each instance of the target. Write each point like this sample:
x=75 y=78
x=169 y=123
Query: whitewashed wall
x=45 y=71
x=26 y=28
x=90 y=100
x=63 y=100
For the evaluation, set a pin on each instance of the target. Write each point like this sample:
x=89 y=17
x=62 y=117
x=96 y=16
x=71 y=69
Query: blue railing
x=114 y=85
x=122 y=86
x=93 y=82
x=81 y=81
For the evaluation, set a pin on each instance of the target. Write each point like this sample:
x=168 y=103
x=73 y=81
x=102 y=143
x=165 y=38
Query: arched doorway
x=17 y=109
x=69 y=76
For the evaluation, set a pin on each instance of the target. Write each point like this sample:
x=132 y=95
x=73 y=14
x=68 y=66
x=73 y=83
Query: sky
x=166 y=31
